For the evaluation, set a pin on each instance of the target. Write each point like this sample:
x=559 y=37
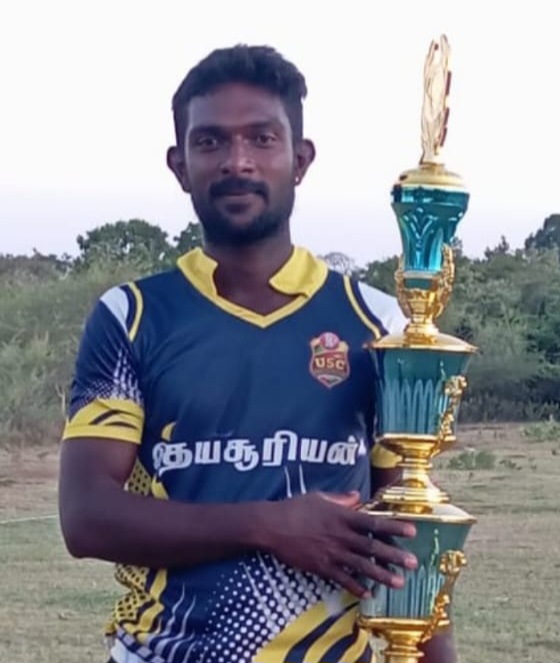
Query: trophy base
x=403 y=636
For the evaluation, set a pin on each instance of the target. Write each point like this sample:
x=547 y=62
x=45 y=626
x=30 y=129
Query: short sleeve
x=105 y=397
x=383 y=315
x=383 y=308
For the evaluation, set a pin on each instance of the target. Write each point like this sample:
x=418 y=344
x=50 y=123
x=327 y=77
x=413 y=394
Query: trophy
x=420 y=380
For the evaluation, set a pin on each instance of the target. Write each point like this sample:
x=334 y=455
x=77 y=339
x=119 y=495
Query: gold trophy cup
x=421 y=378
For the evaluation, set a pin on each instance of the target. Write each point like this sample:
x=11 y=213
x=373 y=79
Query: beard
x=221 y=229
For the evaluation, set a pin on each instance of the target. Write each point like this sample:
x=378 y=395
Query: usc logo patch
x=329 y=359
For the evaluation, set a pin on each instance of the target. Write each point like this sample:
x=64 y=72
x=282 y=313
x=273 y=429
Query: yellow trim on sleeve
x=109 y=433
x=354 y=302
x=103 y=418
x=119 y=433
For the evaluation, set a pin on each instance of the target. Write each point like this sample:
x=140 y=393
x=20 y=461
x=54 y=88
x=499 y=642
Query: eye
x=207 y=142
x=265 y=139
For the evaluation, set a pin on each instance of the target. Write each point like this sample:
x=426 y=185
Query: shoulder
x=375 y=306
x=126 y=303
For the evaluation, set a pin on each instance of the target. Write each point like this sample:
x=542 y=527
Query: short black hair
x=261 y=66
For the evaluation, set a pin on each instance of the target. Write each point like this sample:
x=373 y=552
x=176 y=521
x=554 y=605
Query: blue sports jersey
x=227 y=405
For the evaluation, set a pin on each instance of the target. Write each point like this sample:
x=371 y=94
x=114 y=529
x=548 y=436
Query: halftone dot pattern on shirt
x=254 y=604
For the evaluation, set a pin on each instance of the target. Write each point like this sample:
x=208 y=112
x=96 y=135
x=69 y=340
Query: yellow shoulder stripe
x=354 y=302
x=139 y=310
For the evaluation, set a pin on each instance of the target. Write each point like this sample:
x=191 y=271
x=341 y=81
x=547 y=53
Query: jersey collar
x=302 y=274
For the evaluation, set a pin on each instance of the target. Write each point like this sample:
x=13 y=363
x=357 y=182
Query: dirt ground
x=28 y=482
x=507 y=610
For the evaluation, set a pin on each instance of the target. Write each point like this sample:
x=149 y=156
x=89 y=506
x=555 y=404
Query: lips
x=238 y=195
x=238 y=203
x=237 y=188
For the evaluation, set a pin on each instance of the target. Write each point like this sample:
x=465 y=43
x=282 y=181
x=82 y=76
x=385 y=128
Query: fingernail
x=410 y=562
x=397 y=581
x=366 y=595
x=410 y=530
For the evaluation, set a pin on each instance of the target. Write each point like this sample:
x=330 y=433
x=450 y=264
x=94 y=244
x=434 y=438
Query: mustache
x=236 y=186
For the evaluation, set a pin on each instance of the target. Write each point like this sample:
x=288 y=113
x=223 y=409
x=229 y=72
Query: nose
x=238 y=159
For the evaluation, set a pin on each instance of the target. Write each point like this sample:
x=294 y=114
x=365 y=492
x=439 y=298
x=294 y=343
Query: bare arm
x=382 y=477
x=100 y=519
x=441 y=648
x=315 y=532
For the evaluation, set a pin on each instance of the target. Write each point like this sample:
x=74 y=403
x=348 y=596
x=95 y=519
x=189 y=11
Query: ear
x=177 y=165
x=304 y=157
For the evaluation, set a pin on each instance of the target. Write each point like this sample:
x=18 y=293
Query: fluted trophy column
x=420 y=380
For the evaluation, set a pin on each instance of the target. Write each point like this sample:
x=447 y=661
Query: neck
x=249 y=268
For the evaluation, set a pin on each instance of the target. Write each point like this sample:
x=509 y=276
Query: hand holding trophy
x=421 y=378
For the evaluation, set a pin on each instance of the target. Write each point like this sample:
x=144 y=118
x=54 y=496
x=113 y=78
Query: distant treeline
x=506 y=303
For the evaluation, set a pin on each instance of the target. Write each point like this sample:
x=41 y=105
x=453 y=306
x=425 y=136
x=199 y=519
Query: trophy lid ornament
x=429 y=202
x=434 y=120
x=435 y=111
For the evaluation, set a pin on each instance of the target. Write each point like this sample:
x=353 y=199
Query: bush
x=473 y=460
x=41 y=322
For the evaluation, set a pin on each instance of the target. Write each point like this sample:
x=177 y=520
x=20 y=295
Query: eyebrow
x=221 y=129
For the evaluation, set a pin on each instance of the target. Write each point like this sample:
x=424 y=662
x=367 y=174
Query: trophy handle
x=453 y=389
x=450 y=565
x=446 y=279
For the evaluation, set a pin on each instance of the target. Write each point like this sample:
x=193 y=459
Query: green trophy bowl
x=407 y=617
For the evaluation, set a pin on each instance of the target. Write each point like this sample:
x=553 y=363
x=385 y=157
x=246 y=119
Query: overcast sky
x=86 y=91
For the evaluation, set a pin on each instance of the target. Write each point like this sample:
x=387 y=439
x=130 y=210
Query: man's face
x=239 y=163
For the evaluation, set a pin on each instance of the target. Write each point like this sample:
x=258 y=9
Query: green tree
x=381 y=274
x=340 y=262
x=189 y=238
x=135 y=241
x=36 y=267
x=546 y=237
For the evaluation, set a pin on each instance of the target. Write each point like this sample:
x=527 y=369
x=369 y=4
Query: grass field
x=53 y=608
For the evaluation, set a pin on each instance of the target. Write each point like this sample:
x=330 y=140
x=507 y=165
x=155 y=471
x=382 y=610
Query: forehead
x=236 y=105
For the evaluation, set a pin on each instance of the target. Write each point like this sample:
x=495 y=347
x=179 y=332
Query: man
x=233 y=398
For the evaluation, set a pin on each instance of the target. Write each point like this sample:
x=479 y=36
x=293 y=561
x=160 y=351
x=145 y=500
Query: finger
x=349 y=583
x=366 y=567
x=382 y=527
x=350 y=500
x=392 y=555
x=383 y=552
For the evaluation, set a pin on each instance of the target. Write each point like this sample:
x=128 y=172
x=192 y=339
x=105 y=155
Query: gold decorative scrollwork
x=453 y=389
x=447 y=278
x=450 y=565
x=421 y=306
